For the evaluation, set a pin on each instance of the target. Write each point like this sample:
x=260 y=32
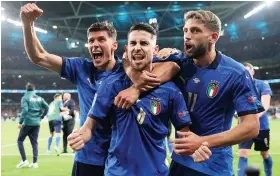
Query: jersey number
x=192 y=97
x=141 y=116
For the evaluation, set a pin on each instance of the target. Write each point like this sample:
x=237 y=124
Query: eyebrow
x=193 y=27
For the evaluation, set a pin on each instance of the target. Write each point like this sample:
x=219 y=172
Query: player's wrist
x=204 y=139
x=27 y=24
x=137 y=89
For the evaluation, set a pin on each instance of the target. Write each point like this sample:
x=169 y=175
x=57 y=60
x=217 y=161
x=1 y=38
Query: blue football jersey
x=138 y=134
x=212 y=94
x=263 y=88
x=88 y=78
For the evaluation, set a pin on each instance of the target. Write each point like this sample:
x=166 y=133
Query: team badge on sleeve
x=155 y=106
x=212 y=89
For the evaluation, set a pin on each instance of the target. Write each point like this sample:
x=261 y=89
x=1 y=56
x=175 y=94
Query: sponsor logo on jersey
x=252 y=99
x=183 y=114
x=196 y=80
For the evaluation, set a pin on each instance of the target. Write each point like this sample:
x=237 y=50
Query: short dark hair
x=103 y=26
x=143 y=27
x=30 y=87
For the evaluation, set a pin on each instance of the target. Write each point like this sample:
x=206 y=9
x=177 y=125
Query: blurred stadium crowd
x=15 y=76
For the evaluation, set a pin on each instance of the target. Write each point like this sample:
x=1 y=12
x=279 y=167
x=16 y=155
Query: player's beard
x=198 y=51
x=139 y=67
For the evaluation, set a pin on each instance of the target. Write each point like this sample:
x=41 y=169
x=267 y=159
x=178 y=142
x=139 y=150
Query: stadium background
x=255 y=40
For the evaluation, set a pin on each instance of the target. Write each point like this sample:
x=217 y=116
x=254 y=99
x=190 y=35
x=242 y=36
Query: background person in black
x=68 y=118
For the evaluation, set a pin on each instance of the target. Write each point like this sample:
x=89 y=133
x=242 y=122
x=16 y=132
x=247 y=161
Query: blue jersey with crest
x=263 y=88
x=88 y=78
x=137 y=145
x=212 y=94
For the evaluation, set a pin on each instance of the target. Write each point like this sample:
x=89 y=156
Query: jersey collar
x=215 y=62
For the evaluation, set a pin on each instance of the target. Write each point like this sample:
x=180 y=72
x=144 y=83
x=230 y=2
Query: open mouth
x=97 y=55
x=188 y=47
x=138 y=57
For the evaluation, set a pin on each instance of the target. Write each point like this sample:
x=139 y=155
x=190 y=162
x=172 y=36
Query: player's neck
x=206 y=59
x=135 y=75
x=109 y=66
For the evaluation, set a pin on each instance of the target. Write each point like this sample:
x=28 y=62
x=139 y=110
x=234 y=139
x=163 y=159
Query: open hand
x=187 y=144
x=147 y=81
x=165 y=52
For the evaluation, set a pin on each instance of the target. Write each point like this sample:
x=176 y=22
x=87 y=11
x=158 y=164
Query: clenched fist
x=78 y=138
x=29 y=13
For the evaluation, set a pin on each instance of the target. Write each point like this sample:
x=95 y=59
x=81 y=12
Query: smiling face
x=140 y=49
x=101 y=48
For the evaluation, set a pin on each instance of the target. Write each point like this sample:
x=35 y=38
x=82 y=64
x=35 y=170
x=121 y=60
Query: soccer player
x=137 y=144
x=55 y=118
x=68 y=118
x=214 y=86
x=262 y=141
x=33 y=109
x=87 y=74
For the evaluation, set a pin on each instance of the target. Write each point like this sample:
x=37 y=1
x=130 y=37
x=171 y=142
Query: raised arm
x=36 y=53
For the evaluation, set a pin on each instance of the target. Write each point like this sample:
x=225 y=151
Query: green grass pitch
x=52 y=165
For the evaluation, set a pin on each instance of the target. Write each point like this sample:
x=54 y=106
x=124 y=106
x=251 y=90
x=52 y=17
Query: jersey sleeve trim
x=94 y=117
x=62 y=73
x=255 y=111
x=183 y=126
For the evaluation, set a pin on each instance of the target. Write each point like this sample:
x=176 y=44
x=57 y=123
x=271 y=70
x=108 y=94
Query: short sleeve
x=245 y=96
x=265 y=90
x=180 y=116
x=70 y=68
